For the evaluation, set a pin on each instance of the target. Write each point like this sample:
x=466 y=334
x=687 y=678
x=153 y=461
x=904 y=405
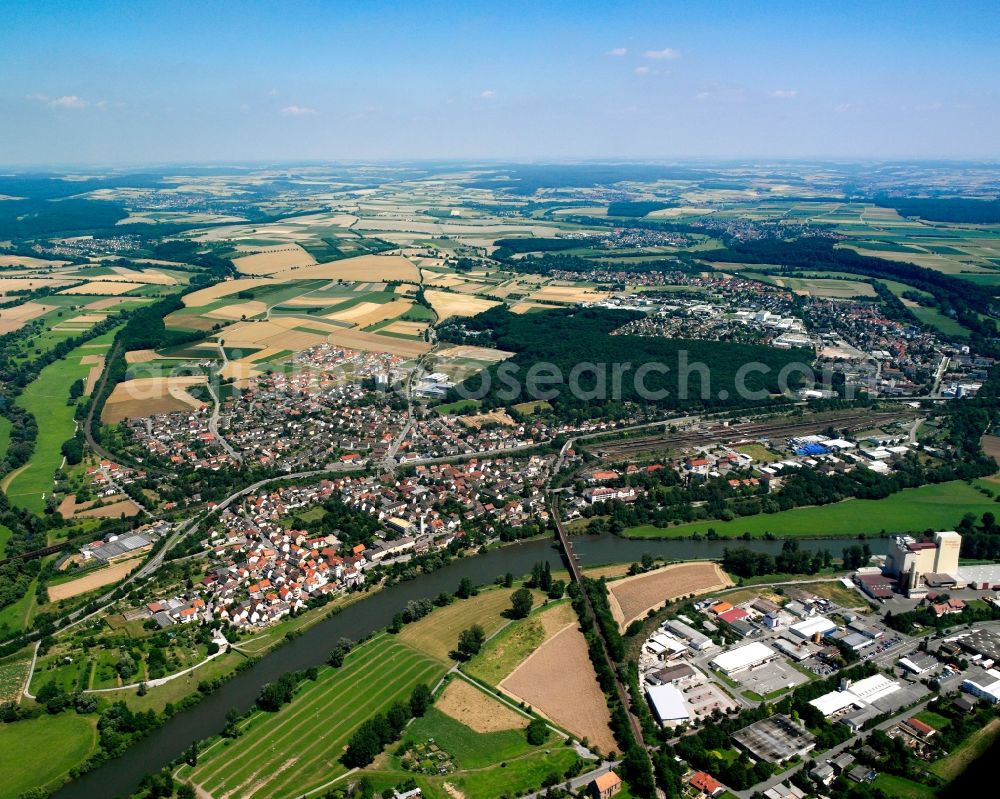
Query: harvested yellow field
x=373 y=342
x=275 y=332
x=477 y=710
x=633 y=597
x=268 y=260
x=239 y=310
x=525 y=307
x=568 y=294
x=196 y=299
x=149 y=396
x=405 y=288
x=559 y=682
x=27 y=260
x=101 y=287
x=405 y=328
x=443 y=279
x=363 y=267
x=97 y=366
x=140 y=356
x=447 y=304
x=363 y=316
x=474 y=353
x=146 y=276
x=11 y=284
x=15 y=318
x=98 y=579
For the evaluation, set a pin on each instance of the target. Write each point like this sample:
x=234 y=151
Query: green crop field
x=938 y=507
x=46 y=399
x=288 y=753
x=69 y=740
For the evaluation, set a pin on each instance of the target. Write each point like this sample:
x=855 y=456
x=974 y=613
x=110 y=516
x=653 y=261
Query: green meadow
x=938 y=507
x=46 y=399
x=69 y=740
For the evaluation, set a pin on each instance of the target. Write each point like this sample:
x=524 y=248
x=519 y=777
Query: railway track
x=719 y=433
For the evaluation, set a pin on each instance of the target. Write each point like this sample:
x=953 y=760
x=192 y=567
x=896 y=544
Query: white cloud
x=68 y=101
x=702 y=95
x=487 y=94
x=36 y=98
x=618 y=52
x=297 y=111
x=843 y=108
x=785 y=94
x=642 y=70
x=272 y=93
x=665 y=54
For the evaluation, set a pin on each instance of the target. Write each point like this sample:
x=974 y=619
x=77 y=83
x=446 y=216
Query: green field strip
x=303 y=726
x=319 y=760
x=303 y=714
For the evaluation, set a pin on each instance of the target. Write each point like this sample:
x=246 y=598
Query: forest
x=944 y=209
x=578 y=344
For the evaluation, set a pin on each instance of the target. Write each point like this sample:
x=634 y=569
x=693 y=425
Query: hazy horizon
x=116 y=83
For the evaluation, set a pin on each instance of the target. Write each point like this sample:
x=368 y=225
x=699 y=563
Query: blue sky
x=224 y=81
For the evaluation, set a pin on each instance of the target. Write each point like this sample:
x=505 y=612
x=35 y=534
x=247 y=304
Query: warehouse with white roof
x=745 y=657
x=859 y=695
x=668 y=704
x=812 y=626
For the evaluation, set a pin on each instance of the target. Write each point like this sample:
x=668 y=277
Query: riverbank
x=359 y=619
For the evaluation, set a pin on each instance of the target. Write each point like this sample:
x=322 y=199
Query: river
x=120 y=777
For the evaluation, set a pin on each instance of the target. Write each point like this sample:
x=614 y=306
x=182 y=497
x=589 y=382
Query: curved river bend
x=120 y=777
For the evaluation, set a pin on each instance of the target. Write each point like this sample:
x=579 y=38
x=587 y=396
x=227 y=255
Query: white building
x=811 y=627
x=988 y=691
x=668 y=704
x=742 y=658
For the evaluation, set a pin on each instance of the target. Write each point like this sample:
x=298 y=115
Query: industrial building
x=986 y=687
x=921 y=565
x=775 y=739
x=668 y=704
x=812 y=627
x=742 y=658
x=856 y=695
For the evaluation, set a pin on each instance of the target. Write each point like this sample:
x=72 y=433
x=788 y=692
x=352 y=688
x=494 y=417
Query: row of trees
x=374 y=734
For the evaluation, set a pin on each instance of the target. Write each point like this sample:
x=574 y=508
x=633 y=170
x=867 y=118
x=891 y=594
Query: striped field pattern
x=288 y=753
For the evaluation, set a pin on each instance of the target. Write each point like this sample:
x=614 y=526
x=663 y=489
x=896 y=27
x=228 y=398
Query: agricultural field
x=281 y=755
x=448 y=304
x=632 y=597
x=150 y=396
x=46 y=398
x=558 y=681
x=69 y=740
x=437 y=634
x=449 y=756
x=96 y=579
x=938 y=507
x=516 y=642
